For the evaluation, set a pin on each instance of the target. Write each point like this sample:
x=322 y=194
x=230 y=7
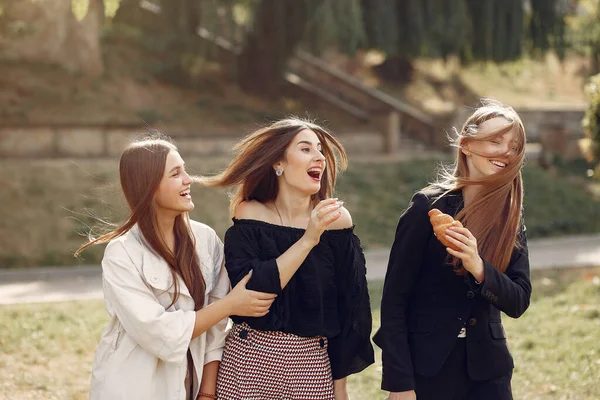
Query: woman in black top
x=441 y=331
x=298 y=242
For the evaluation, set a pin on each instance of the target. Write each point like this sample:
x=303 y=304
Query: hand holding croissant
x=459 y=242
x=440 y=223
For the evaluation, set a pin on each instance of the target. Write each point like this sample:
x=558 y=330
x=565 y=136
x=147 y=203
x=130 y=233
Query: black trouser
x=453 y=382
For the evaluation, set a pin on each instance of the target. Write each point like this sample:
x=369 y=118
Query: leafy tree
x=591 y=121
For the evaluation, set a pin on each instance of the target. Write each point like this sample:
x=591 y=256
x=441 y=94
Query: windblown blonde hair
x=494 y=217
x=251 y=170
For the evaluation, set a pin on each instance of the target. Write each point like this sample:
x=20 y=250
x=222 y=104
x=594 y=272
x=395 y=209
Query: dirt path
x=47 y=284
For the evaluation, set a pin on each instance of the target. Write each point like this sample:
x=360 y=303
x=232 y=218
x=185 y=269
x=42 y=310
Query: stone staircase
x=387 y=125
x=398 y=127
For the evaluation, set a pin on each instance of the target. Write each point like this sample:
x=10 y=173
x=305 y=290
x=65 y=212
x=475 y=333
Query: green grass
x=47 y=204
x=47 y=349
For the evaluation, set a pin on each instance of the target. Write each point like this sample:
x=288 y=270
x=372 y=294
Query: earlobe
x=278 y=169
x=465 y=149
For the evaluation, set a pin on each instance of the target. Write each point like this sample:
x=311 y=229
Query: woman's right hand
x=408 y=395
x=321 y=217
x=249 y=303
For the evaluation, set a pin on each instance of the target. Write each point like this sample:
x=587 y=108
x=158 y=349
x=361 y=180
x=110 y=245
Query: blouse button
x=322 y=342
x=470 y=294
x=243 y=334
x=472 y=321
x=155 y=278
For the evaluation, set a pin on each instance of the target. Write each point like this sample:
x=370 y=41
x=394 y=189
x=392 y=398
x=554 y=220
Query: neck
x=166 y=223
x=292 y=207
x=470 y=193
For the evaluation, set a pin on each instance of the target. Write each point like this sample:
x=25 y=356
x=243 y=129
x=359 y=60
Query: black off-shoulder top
x=327 y=296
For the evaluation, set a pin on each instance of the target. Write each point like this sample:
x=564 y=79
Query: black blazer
x=425 y=304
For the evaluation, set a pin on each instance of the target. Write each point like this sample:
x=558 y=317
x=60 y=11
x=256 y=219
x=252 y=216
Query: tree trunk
x=279 y=26
x=398 y=69
x=54 y=36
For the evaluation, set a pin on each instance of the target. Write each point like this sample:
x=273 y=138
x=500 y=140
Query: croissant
x=440 y=223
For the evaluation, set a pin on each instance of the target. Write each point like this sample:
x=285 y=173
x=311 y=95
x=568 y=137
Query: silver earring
x=278 y=172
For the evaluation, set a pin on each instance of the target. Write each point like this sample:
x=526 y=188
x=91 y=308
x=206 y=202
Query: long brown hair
x=494 y=217
x=251 y=170
x=141 y=170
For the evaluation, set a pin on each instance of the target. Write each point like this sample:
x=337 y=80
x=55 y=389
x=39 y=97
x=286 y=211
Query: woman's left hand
x=467 y=251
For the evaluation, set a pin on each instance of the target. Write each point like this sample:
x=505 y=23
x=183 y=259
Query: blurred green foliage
x=591 y=121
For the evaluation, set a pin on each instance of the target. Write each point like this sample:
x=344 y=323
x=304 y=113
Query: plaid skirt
x=269 y=365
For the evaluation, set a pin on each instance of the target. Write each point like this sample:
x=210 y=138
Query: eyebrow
x=176 y=167
x=308 y=143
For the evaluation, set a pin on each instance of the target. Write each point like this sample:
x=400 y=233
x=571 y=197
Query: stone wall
x=557 y=133
x=30 y=141
x=96 y=141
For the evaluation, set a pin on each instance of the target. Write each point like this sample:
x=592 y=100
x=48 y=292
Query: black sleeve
x=242 y=256
x=351 y=350
x=510 y=291
x=412 y=234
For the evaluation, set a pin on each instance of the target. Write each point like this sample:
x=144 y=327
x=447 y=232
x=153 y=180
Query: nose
x=187 y=179
x=510 y=151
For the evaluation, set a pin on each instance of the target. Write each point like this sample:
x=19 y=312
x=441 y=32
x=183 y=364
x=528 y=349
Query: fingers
x=461 y=245
x=318 y=211
x=325 y=203
x=255 y=312
x=323 y=211
x=259 y=313
x=258 y=308
x=459 y=237
x=262 y=303
x=245 y=279
x=262 y=295
x=463 y=231
x=329 y=218
x=455 y=253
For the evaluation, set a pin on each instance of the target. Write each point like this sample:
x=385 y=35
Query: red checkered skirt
x=269 y=365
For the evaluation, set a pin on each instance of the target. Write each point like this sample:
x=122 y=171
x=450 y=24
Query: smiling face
x=488 y=156
x=173 y=193
x=304 y=164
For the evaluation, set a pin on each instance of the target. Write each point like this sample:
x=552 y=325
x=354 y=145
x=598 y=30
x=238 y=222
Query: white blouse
x=142 y=351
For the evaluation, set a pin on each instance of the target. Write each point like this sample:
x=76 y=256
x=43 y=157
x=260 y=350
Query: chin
x=189 y=207
x=314 y=191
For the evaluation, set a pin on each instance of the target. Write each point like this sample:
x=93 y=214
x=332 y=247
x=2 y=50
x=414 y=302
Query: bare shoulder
x=343 y=222
x=251 y=209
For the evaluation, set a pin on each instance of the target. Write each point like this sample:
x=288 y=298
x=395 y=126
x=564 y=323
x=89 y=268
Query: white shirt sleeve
x=216 y=335
x=166 y=334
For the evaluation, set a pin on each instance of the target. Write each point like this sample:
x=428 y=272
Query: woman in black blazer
x=441 y=331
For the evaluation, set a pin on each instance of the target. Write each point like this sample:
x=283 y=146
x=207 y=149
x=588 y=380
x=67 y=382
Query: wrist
x=307 y=243
x=228 y=305
x=479 y=271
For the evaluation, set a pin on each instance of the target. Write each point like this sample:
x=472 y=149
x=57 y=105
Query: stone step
x=99 y=142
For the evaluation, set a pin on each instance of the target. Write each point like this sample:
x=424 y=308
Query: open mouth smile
x=498 y=164
x=315 y=173
x=186 y=194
